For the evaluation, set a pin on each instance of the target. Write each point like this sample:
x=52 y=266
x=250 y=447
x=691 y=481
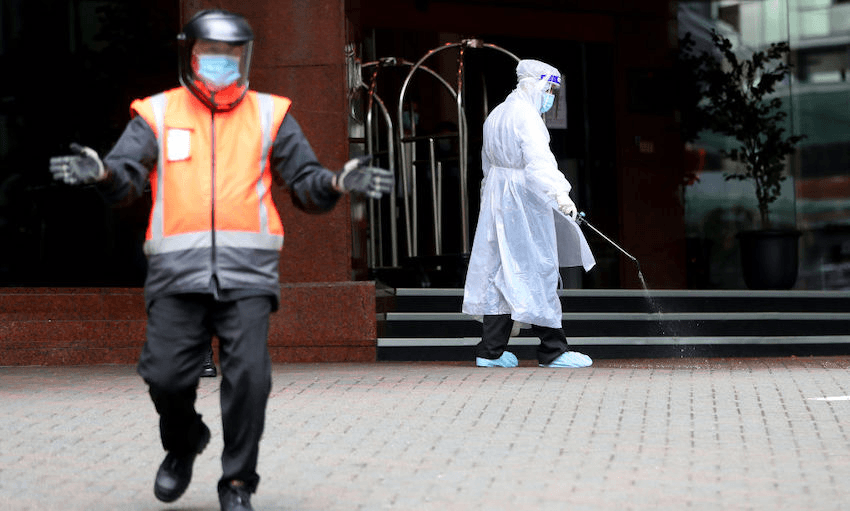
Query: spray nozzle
x=580 y=217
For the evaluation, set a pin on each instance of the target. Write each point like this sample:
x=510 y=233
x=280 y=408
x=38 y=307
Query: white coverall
x=522 y=237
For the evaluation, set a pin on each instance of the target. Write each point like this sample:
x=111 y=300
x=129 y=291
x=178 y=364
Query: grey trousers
x=179 y=330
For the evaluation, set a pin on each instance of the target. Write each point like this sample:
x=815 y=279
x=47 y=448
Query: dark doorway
x=583 y=144
x=72 y=70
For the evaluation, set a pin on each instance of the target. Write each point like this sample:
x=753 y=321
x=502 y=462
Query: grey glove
x=84 y=167
x=357 y=176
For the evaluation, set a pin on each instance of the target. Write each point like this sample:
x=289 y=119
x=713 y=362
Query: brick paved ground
x=625 y=434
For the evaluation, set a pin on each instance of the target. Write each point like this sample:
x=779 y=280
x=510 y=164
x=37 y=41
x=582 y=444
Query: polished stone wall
x=317 y=322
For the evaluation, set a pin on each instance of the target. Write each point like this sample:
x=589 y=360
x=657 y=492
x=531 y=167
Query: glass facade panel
x=816 y=196
x=73 y=70
x=813 y=23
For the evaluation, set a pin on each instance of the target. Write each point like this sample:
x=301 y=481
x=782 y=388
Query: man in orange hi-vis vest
x=213 y=241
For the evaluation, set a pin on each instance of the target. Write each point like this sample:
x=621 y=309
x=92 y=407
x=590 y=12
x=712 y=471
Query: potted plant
x=738 y=102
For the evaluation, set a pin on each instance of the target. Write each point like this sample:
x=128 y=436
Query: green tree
x=736 y=100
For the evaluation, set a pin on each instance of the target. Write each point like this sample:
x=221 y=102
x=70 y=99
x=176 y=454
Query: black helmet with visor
x=214 y=54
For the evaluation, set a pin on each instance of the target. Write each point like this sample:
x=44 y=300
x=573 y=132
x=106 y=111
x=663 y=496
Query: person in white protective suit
x=526 y=228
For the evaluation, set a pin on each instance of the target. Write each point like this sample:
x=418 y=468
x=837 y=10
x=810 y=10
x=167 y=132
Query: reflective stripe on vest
x=158 y=106
x=262 y=236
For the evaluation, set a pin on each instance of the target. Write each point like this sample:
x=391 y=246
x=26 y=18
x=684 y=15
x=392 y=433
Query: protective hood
x=534 y=78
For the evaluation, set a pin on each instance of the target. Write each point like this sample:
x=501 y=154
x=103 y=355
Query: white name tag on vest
x=178 y=144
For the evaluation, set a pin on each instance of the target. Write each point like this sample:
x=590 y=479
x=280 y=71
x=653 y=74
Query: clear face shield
x=551 y=89
x=216 y=71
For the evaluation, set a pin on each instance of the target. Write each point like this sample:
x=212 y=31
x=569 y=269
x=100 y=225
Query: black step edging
x=525 y=353
x=634 y=328
x=450 y=300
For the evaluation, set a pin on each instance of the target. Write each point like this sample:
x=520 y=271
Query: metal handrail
x=463 y=141
x=406 y=153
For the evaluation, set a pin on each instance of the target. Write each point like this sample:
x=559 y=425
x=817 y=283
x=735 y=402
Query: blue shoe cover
x=570 y=359
x=507 y=359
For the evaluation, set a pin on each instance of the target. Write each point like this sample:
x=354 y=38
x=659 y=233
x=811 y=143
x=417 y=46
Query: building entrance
x=419 y=109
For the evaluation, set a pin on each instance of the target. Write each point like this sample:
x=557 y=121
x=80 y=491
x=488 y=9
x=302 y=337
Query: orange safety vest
x=212 y=213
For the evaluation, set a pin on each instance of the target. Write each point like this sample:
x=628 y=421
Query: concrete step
x=426 y=324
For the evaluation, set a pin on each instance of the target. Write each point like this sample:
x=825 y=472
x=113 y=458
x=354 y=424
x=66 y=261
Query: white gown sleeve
x=541 y=167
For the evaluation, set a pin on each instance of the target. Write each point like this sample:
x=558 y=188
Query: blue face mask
x=548 y=101
x=218 y=70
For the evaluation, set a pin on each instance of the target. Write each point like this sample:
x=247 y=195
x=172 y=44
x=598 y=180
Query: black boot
x=209 y=366
x=234 y=496
x=175 y=472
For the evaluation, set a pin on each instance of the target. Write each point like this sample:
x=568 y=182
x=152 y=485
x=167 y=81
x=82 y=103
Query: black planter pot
x=769 y=258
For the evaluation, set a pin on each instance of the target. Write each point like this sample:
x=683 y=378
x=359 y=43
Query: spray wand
x=581 y=219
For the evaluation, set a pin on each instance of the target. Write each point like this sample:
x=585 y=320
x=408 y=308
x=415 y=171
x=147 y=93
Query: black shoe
x=175 y=472
x=234 y=497
x=209 y=366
